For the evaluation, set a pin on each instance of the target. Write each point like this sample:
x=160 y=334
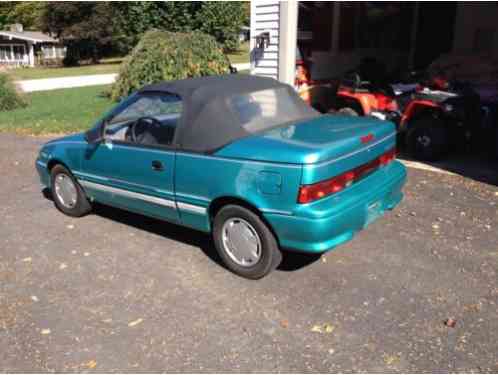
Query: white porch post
x=287 y=35
x=31 y=54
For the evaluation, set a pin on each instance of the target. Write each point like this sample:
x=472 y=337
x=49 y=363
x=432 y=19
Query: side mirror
x=96 y=134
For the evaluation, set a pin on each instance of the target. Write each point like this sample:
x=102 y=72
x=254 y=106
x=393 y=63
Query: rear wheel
x=427 y=139
x=348 y=111
x=67 y=194
x=244 y=242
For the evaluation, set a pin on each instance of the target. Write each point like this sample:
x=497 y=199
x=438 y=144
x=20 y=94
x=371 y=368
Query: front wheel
x=427 y=139
x=67 y=194
x=245 y=243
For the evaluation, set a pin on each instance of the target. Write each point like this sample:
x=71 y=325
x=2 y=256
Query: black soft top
x=208 y=121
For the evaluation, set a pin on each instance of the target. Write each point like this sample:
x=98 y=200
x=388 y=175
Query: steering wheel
x=143 y=124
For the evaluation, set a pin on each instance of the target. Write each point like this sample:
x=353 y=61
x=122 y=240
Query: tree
x=223 y=20
x=165 y=56
x=87 y=27
x=134 y=18
x=25 y=12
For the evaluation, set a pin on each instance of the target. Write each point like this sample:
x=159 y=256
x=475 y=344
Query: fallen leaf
x=135 y=322
x=28 y=259
x=390 y=359
x=45 y=331
x=329 y=328
x=91 y=364
x=323 y=328
x=316 y=328
x=284 y=323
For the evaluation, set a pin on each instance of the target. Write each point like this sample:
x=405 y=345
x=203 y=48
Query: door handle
x=157 y=166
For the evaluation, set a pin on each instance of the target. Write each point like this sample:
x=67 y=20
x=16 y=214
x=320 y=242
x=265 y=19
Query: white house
x=28 y=48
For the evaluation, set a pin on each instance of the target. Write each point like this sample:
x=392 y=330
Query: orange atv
x=355 y=97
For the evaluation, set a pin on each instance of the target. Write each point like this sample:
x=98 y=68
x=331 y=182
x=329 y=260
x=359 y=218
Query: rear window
x=262 y=110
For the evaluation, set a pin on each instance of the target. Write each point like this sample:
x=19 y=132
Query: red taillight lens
x=387 y=157
x=310 y=193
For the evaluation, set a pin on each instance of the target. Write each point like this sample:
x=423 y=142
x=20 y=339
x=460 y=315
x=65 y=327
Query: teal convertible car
x=239 y=156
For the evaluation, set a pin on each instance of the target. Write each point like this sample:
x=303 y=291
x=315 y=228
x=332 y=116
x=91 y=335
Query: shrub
x=10 y=98
x=164 y=56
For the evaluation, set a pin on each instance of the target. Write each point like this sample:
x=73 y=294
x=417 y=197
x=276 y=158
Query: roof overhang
x=27 y=38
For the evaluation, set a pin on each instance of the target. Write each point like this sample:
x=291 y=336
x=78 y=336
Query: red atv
x=356 y=97
x=431 y=119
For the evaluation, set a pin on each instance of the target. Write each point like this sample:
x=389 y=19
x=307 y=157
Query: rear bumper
x=325 y=224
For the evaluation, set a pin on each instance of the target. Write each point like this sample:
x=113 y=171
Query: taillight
x=388 y=157
x=313 y=192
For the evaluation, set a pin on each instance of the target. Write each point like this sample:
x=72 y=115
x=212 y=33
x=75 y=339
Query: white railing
x=13 y=63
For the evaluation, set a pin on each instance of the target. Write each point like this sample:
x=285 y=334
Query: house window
x=5 y=53
x=12 y=52
x=18 y=52
x=60 y=52
x=48 y=52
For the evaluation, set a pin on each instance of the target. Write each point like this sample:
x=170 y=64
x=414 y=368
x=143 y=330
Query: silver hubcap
x=241 y=242
x=65 y=190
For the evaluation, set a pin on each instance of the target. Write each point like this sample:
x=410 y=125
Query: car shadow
x=474 y=166
x=292 y=261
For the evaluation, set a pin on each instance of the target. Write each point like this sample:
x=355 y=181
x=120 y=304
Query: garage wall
x=476 y=28
x=265 y=17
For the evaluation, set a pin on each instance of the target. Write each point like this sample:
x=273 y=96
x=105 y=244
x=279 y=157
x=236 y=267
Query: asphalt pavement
x=113 y=291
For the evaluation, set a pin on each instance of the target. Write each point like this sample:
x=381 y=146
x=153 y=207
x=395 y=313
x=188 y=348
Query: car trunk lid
x=324 y=145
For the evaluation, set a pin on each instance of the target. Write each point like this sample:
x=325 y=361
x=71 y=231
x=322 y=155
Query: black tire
x=82 y=206
x=270 y=254
x=347 y=111
x=427 y=139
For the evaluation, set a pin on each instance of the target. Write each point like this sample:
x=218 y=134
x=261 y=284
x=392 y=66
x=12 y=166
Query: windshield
x=157 y=105
x=262 y=110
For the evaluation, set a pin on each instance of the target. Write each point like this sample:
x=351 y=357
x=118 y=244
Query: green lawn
x=110 y=65
x=241 y=56
x=57 y=111
x=106 y=66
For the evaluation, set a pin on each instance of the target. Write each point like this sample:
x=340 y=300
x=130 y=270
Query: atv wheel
x=427 y=139
x=347 y=111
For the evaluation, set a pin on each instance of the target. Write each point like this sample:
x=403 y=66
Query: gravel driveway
x=120 y=292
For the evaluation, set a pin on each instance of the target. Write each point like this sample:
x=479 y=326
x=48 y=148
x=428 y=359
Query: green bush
x=164 y=56
x=10 y=98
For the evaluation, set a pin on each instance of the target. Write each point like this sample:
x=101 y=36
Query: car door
x=137 y=176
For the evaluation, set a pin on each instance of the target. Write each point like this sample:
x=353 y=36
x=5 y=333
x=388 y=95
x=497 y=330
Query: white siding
x=265 y=17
